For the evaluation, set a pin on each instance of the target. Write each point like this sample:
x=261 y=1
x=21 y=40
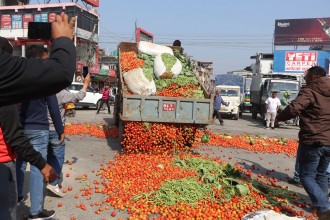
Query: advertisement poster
x=16 y=21
x=286 y=61
x=6 y=21
x=26 y=19
x=51 y=17
x=44 y=17
x=37 y=17
x=302 y=32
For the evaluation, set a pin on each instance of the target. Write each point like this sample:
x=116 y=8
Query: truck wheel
x=240 y=113
x=236 y=117
x=254 y=112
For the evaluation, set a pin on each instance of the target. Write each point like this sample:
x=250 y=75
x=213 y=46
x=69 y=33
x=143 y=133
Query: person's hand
x=49 y=173
x=61 y=26
x=61 y=139
x=87 y=79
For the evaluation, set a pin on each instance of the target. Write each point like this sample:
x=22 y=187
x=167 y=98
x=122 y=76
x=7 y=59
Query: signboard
x=16 y=21
x=26 y=19
x=80 y=65
x=37 y=17
x=286 y=61
x=94 y=3
x=168 y=107
x=142 y=35
x=302 y=32
x=94 y=68
x=51 y=17
x=299 y=61
x=6 y=21
x=44 y=17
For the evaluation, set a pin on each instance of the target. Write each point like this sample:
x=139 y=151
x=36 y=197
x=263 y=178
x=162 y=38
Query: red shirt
x=6 y=153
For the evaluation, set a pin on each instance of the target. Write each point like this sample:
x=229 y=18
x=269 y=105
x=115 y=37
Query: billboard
x=94 y=3
x=302 y=32
x=16 y=21
x=295 y=61
x=37 y=17
x=6 y=21
x=26 y=19
x=142 y=35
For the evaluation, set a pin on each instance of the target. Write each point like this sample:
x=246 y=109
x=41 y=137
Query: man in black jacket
x=18 y=79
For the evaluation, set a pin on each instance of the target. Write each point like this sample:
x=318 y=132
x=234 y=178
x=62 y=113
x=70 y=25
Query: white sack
x=268 y=215
x=137 y=83
x=153 y=49
x=160 y=68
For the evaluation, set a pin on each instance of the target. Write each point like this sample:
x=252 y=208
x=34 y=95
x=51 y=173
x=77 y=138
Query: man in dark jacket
x=18 y=79
x=313 y=107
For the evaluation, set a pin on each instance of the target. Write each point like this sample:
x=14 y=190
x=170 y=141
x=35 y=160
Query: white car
x=92 y=98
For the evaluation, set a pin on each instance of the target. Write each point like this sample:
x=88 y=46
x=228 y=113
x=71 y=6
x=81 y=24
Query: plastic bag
x=167 y=69
x=268 y=215
x=153 y=49
x=138 y=84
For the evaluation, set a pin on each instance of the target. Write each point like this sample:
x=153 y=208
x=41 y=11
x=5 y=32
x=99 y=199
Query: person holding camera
x=313 y=107
x=18 y=79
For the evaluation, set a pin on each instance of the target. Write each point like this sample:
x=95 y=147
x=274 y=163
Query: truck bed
x=158 y=108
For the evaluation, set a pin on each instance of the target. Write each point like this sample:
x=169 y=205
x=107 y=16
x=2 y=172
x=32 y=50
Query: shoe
x=44 y=214
x=55 y=189
x=267 y=128
x=324 y=215
x=294 y=182
x=20 y=199
x=222 y=124
x=273 y=128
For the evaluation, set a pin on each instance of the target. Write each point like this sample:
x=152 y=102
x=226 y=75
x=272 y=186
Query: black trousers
x=217 y=114
x=101 y=105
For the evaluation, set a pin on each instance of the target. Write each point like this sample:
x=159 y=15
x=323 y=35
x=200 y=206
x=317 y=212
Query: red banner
x=79 y=66
x=26 y=19
x=302 y=32
x=95 y=3
x=6 y=21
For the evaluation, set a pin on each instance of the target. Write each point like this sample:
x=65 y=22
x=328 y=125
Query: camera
x=40 y=30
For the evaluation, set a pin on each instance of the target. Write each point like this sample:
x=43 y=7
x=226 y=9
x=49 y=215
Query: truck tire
x=254 y=112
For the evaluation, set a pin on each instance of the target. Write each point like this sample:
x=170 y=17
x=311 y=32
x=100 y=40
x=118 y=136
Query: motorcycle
x=70 y=110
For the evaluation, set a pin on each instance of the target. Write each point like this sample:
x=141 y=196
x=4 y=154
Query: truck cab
x=262 y=86
x=232 y=96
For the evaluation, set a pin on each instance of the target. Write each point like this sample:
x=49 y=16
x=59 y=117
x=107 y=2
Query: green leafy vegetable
x=168 y=60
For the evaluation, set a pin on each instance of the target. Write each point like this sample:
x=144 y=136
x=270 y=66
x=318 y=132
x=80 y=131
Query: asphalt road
x=87 y=153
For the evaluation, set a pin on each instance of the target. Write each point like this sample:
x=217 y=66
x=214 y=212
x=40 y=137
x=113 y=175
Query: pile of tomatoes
x=174 y=90
x=157 y=138
x=96 y=130
x=131 y=175
x=251 y=143
x=129 y=61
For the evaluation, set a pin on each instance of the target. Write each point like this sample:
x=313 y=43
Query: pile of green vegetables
x=186 y=77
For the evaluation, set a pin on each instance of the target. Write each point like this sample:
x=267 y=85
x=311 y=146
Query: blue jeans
x=296 y=166
x=313 y=165
x=55 y=155
x=39 y=140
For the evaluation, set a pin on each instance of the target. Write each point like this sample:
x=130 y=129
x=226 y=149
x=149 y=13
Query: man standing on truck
x=218 y=100
x=312 y=106
x=272 y=105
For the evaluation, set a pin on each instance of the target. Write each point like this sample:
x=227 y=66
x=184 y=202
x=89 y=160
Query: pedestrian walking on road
x=218 y=100
x=56 y=149
x=272 y=106
x=313 y=106
x=105 y=98
x=33 y=116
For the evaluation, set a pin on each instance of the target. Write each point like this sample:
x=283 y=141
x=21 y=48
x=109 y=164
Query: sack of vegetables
x=167 y=66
